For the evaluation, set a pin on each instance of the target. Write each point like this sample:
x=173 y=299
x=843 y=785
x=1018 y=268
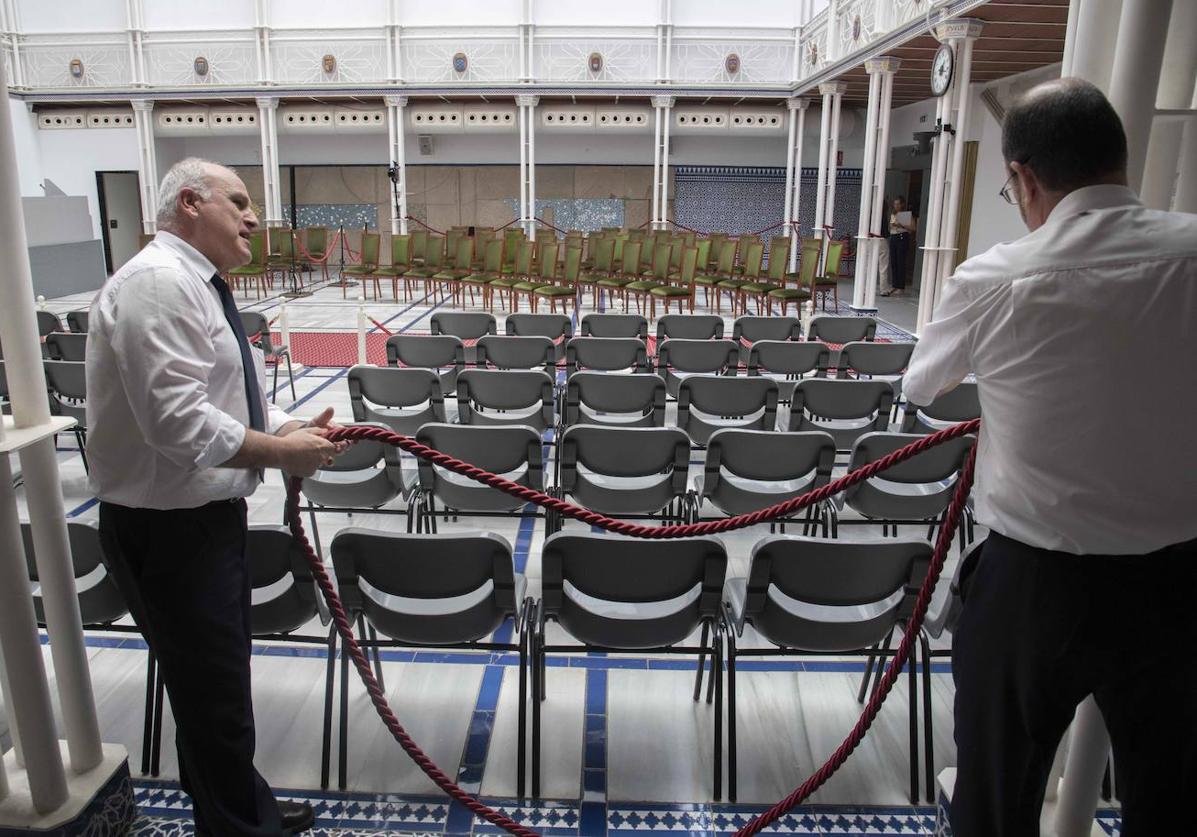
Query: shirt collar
x=1088 y=198
x=192 y=259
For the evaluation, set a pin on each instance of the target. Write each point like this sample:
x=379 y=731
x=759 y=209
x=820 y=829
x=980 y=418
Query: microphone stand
x=393 y=173
x=295 y=291
x=342 y=282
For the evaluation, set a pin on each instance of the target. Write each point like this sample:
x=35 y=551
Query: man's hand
x=322 y=423
x=300 y=454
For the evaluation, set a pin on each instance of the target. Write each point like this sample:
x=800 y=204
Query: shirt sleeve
x=164 y=354
x=276 y=418
x=943 y=355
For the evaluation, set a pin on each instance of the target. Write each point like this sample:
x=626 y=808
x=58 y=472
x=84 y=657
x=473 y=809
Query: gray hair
x=191 y=173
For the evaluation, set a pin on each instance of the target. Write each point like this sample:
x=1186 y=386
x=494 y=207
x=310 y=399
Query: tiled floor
x=625 y=747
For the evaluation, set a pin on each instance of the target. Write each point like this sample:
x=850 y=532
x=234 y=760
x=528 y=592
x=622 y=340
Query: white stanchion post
x=1088 y=751
x=361 y=330
x=284 y=326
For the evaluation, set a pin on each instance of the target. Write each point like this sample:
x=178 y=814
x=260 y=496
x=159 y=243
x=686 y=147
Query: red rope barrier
x=550 y=226
x=422 y=224
x=508 y=224
x=914 y=625
x=380 y=326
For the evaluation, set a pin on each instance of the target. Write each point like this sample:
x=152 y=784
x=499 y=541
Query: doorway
x=119 y=194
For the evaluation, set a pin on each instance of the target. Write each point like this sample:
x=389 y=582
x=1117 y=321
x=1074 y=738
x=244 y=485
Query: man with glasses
x=1081 y=336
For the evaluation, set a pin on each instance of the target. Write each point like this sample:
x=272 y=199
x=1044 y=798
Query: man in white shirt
x=179 y=432
x=1081 y=336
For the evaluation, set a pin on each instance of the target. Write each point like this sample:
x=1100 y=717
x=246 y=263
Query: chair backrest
x=842 y=329
x=468 y=325
x=523 y=257
x=67 y=378
x=546 y=257
x=835 y=254
x=706 y=403
x=505 y=396
x=808 y=264
x=752 y=329
x=605 y=354
x=492 y=256
x=425 y=351
x=463 y=254
x=315 y=241
x=401 y=250
x=779 y=260
x=273 y=556
x=747 y=470
x=370 y=249
x=282 y=243
x=624 y=470
x=871 y=586
x=63 y=345
x=754 y=253
x=660 y=265
x=444 y=589
x=419 y=243
x=676 y=246
x=402 y=399
x=690 y=327
x=434 y=252
x=875 y=358
x=917 y=489
x=552 y=326
x=630 y=263
x=513 y=352
x=368 y=476
x=100 y=600
x=452 y=239
x=822 y=404
x=616 y=400
x=703 y=246
x=77 y=321
x=572 y=267
x=515 y=451
x=615 y=325
x=47 y=323
x=961 y=403
x=604 y=255
x=257 y=249
x=786 y=357
x=584 y=574
x=256 y=326
x=726 y=260
x=713 y=357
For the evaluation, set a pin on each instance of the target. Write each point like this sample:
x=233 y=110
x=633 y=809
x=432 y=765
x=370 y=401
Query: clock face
x=941 y=70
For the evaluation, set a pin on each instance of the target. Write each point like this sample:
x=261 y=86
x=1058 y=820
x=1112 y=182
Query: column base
x=945 y=784
x=862 y=311
x=99 y=802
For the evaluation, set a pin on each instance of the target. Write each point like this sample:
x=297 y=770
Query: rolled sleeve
x=276 y=418
x=942 y=357
x=165 y=356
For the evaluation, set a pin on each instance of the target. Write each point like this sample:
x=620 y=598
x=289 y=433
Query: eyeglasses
x=1009 y=192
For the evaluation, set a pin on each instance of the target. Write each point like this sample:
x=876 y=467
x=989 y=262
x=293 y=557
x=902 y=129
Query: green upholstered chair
x=751 y=255
x=566 y=286
x=602 y=263
x=521 y=270
x=808 y=267
x=628 y=271
x=545 y=273
x=679 y=290
x=774 y=279
x=365 y=268
x=396 y=270
x=492 y=270
x=255 y=271
x=659 y=276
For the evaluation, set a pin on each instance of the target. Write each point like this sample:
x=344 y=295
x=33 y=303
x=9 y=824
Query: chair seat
x=526 y=285
x=555 y=290
x=708 y=279
x=420 y=273
x=480 y=278
x=731 y=283
x=669 y=290
x=358 y=270
x=248 y=270
x=790 y=293
x=643 y=285
x=615 y=281
x=451 y=275
x=759 y=287
x=506 y=281
x=392 y=270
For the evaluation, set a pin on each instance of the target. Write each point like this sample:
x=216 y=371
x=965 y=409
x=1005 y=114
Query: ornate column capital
x=833 y=88
x=395 y=101
x=663 y=101
x=143 y=105
x=526 y=100
x=269 y=102
x=883 y=64
x=961 y=27
x=798 y=103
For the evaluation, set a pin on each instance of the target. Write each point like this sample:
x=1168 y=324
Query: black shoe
x=296 y=817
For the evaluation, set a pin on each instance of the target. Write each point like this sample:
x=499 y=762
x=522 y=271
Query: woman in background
x=901 y=228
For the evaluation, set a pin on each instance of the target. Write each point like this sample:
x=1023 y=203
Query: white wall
x=994 y=220
x=71 y=159
x=29 y=153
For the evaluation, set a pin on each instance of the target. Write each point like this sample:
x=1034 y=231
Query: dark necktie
x=253 y=395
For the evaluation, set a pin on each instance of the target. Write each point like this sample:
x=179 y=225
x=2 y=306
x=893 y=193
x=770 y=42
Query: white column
x=797 y=107
x=522 y=115
x=1096 y=32
x=864 y=243
x=527 y=105
x=1074 y=11
x=656 y=211
x=1088 y=751
x=664 y=105
x=8 y=22
x=824 y=143
x=268 y=129
x=1163 y=158
x=1186 y=181
x=1135 y=78
x=394 y=35
x=947 y=235
x=30 y=712
x=880 y=165
x=833 y=153
x=147 y=174
x=1178 y=77
x=395 y=122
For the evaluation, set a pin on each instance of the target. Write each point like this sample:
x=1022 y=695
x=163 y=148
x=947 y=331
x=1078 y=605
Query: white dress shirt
x=1083 y=338
x=166 y=400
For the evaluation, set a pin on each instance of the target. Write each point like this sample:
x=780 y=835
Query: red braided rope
x=550 y=226
x=951 y=520
x=422 y=224
x=380 y=326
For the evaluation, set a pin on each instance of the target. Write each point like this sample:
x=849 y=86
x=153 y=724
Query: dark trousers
x=1042 y=630
x=185 y=576
x=899 y=249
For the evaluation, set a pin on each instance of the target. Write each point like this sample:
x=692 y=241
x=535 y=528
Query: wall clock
x=942 y=67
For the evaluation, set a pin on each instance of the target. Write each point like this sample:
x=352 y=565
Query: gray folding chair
x=962 y=403
x=403 y=399
x=505 y=396
x=605 y=354
x=557 y=327
x=615 y=325
x=625 y=594
x=77 y=321
x=447 y=591
x=67 y=383
x=748 y=470
x=845 y=409
x=48 y=323
x=816 y=596
x=842 y=329
x=886 y=361
x=512 y=451
x=257 y=330
x=707 y=403
x=625 y=471
x=786 y=362
x=915 y=491
x=65 y=345
x=365 y=477
x=466 y=325
x=689 y=327
x=678 y=358
x=747 y=330
x=442 y=353
x=617 y=400
x=514 y=352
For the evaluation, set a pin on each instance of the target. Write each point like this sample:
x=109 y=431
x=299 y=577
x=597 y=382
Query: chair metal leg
x=913 y=693
x=159 y=700
x=343 y=727
x=147 y=732
x=928 y=738
x=881 y=661
x=702 y=655
x=315 y=532
x=274 y=387
x=717 y=754
x=535 y=640
x=868 y=672
x=330 y=675
x=290 y=377
x=367 y=631
x=730 y=645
